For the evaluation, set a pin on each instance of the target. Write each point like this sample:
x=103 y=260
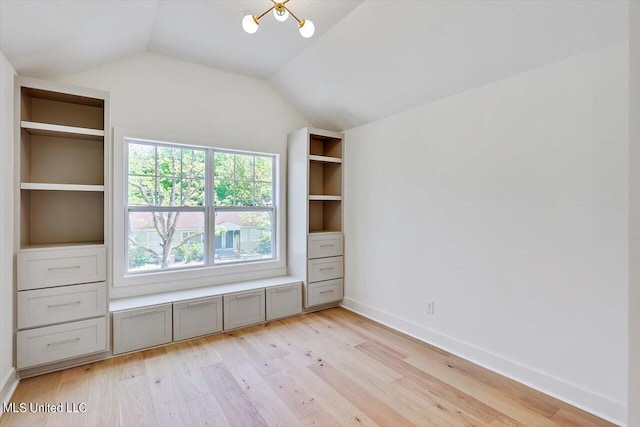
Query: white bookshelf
x=315 y=213
x=62 y=212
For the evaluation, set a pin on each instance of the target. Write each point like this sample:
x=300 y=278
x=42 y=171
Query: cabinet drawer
x=325 y=246
x=324 y=292
x=197 y=317
x=325 y=269
x=141 y=328
x=61 y=304
x=243 y=308
x=283 y=301
x=56 y=267
x=54 y=343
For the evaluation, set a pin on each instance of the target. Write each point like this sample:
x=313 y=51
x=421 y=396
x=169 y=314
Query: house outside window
x=189 y=207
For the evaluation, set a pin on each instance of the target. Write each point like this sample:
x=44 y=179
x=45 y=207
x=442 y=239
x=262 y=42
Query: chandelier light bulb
x=280 y=13
x=307 y=28
x=250 y=24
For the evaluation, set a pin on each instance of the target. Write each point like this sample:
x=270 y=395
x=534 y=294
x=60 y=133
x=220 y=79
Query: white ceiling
x=387 y=57
x=53 y=38
x=367 y=60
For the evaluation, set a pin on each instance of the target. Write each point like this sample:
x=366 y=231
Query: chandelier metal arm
x=268 y=10
x=292 y=14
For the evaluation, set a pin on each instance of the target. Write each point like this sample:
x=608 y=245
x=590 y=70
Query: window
x=194 y=206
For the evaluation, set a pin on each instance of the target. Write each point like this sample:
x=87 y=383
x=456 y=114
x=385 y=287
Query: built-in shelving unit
x=314 y=232
x=61 y=208
x=62 y=167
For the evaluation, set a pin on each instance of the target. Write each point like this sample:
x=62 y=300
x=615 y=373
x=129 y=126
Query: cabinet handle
x=327 y=246
x=64 y=304
x=327 y=268
x=327 y=292
x=142 y=313
x=70 y=267
x=193 y=304
x=245 y=296
x=51 y=344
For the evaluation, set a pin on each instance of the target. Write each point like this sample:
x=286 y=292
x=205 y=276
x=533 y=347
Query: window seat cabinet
x=149 y=321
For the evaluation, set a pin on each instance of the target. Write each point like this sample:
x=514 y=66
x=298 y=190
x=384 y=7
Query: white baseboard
x=9 y=385
x=592 y=402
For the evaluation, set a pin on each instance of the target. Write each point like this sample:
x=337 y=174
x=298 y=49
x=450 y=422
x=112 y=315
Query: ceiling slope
x=49 y=39
x=209 y=32
x=388 y=56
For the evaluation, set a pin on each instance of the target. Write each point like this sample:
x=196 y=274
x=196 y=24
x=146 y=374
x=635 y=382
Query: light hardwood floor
x=330 y=368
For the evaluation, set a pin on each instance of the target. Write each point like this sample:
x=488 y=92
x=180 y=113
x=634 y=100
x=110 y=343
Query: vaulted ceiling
x=367 y=60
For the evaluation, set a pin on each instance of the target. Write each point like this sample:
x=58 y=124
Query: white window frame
x=139 y=283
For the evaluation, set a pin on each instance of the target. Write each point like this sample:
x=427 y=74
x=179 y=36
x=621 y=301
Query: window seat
x=152 y=320
x=204 y=292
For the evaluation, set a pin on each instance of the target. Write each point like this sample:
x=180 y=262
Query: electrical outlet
x=431 y=307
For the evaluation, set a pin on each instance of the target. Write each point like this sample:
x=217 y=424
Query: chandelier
x=250 y=23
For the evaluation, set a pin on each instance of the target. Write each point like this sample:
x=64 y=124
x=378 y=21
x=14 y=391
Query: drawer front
x=325 y=269
x=62 y=304
x=325 y=246
x=324 y=292
x=243 y=309
x=197 y=317
x=283 y=301
x=55 y=343
x=141 y=328
x=44 y=269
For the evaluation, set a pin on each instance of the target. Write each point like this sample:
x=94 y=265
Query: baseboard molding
x=9 y=385
x=594 y=403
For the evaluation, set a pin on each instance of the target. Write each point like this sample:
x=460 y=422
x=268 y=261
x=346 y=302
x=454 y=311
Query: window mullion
x=210 y=210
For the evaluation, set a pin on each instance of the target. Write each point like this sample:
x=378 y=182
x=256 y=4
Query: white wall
x=185 y=102
x=7 y=373
x=634 y=216
x=507 y=205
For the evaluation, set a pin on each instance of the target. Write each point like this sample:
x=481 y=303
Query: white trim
x=575 y=395
x=125 y=285
x=9 y=385
x=633 y=417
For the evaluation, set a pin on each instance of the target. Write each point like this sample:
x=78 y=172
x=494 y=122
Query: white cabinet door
x=57 y=267
x=325 y=245
x=141 y=328
x=325 y=269
x=283 y=301
x=66 y=341
x=324 y=292
x=243 y=309
x=197 y=317
x=61 y=304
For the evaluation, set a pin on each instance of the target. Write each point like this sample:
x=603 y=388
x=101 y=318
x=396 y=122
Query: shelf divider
x=47 y=129
x=323 y=197
x=325 y=159
x=60 y=187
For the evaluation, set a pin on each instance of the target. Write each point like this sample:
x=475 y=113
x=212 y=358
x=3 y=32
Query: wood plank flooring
x=331 y=368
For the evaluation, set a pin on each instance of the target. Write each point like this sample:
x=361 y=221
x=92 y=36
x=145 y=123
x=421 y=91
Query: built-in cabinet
x=61 y=196
x=315 y=239
x=148 y=321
